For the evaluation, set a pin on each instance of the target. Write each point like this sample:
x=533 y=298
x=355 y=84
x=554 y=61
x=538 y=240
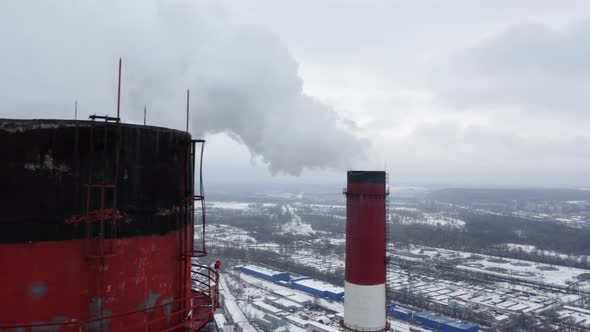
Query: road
x=232 y=309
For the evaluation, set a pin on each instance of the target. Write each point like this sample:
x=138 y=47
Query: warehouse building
x=399 y=312
x=431 y=320
x=319 y=288
x=319 y=327
x=265 y=273
x=443 y=323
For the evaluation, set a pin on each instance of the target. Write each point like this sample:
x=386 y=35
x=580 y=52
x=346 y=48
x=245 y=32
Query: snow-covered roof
x=320 y=285
x=322 y=327
x=262 y=270
x=266 y=307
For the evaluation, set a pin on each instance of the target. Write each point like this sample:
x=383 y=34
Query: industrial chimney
x=364 y=287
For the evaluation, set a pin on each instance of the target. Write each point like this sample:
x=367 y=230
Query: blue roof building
x=318 y=288
x=443 y=323
x=265 y=273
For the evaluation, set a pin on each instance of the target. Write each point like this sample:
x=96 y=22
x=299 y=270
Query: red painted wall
x=365 y=233
x=54 y=281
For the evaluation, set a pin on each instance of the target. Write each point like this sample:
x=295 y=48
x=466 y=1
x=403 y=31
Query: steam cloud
x=243 y=81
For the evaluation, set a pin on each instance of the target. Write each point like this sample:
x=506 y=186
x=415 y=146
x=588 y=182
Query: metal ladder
x=101 y=213
x=388 y=264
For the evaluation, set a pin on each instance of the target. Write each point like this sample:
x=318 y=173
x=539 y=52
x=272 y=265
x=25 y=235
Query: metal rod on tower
x=119 y=93
x=187 y=108
x=144 y=113
x=76 y=110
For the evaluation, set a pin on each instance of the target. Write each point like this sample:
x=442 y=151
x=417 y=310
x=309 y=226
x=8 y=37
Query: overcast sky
x=437 y=92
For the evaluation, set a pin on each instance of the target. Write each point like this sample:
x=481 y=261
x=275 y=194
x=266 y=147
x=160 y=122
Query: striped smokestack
x=364 y=288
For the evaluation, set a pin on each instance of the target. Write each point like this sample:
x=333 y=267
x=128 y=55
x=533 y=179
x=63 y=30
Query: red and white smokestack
x=364 y=288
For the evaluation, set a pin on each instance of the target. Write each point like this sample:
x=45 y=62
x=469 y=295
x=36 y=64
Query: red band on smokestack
x=365 y=228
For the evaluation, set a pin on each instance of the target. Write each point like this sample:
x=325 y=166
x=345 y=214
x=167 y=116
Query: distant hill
x=469 y=195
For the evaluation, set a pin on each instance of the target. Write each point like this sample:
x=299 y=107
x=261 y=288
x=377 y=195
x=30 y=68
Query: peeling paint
x=150 y=301
x=95 y=215
x=47 y=165
x=16 y=126
x=167 y=307
x=97 y=311
x=38 y=289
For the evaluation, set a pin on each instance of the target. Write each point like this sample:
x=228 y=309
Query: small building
x=222 y=324
x=319 y=327
x=443 y=323
x=282 y=292
x=287 y=305
x=275 y=320
x=319 y=288
x=265 y=273
x=267 y=308
x=264 y=323
x=304 y=300
x=299 y=322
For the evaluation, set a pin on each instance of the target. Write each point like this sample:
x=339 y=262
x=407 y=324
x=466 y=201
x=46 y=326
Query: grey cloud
x=449 y=144
x=530 y=67
x=243 y=81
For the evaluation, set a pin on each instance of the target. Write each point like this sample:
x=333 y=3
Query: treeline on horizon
x=488 y=234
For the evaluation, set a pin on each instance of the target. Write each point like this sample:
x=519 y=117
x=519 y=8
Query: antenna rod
x=187 y=108
x=119 y=93
x=76 y=110
x=144 y=111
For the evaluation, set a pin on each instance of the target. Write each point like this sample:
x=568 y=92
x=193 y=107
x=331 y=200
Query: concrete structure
x=265 y=273
x=364 y=304
x=296 y=321
x=319 y=288
x=97 y=222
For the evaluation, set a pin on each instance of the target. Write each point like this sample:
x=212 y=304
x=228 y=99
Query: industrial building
x=443 y=323
x=431 y=320
x=221 y=323
x=364 y=304
x=265 y=273
x=318 y=288
x=319 y=327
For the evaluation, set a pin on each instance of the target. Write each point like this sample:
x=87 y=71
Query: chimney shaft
x=364 y=301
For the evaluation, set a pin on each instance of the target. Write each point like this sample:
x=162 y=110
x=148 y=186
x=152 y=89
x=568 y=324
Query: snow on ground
x=229 y=205
x=238 y=205
x=576 y=314
x=231 y=307
x=330 y=305
x=527 y=270
x=435 y=221
x=403 y=208
x=530 y=249
x=229 y=234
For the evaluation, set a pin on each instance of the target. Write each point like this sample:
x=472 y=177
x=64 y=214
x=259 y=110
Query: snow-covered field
x=526 y=270
x=435 y=221
x=238 y=205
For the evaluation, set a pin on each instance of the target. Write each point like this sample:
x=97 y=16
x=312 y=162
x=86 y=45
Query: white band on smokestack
x=364 y=307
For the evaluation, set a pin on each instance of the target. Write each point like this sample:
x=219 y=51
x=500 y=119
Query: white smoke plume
x=243 y=81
